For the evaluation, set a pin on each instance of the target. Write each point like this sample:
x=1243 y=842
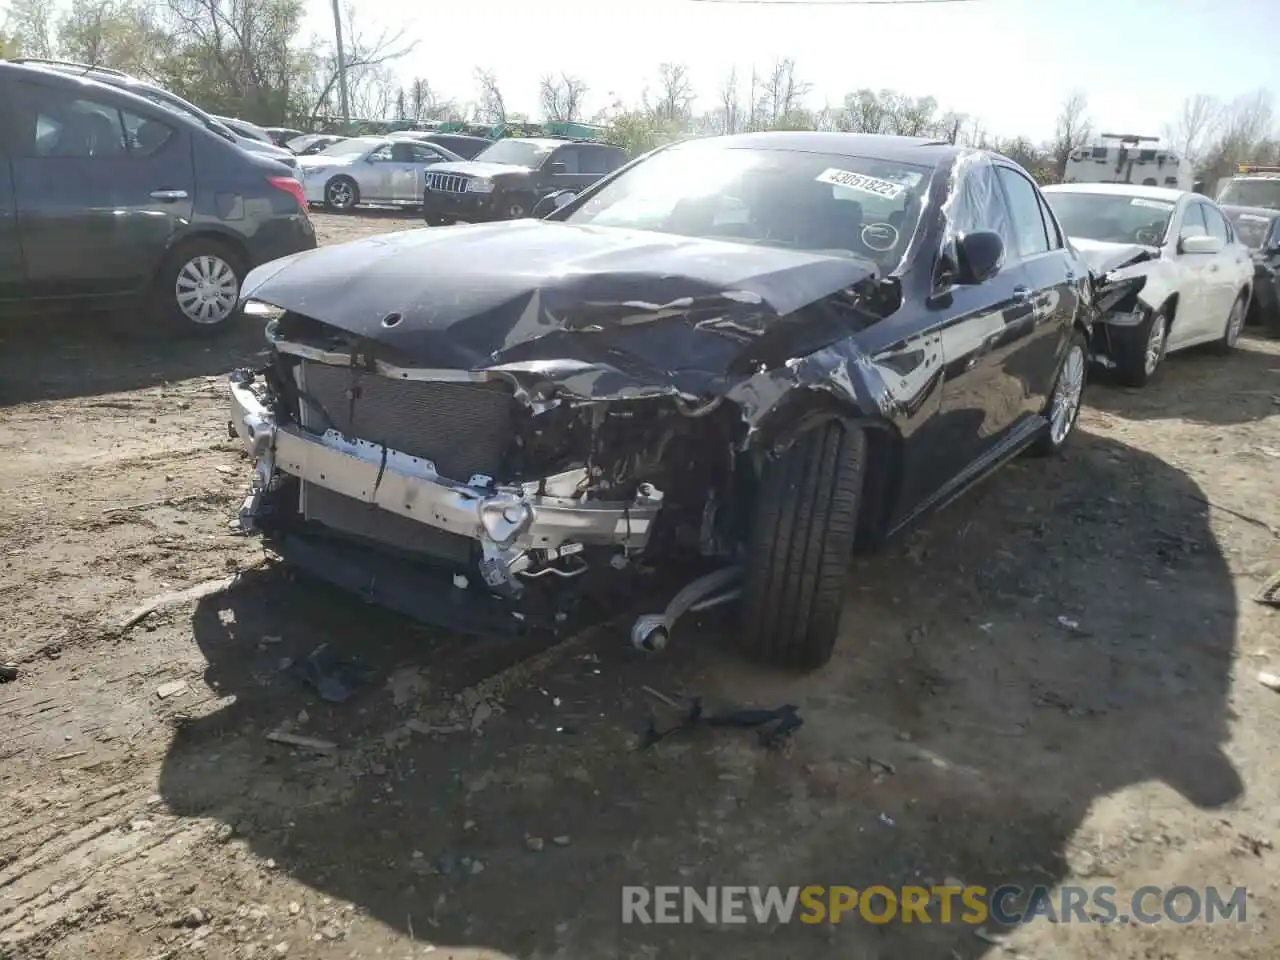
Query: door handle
x=1021 y=294
x=168 y=196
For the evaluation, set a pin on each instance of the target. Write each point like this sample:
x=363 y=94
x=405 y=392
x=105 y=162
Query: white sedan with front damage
x=1170 y=271
x=370 y=170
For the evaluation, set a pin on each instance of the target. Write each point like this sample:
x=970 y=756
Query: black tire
x=1075 y=361
x=341 y=194
x=1130 y=347
x=800 y=547
x=1234 y=325
x=188 y=260
x=434 y=220
x=516 y=207
x=1271 y=323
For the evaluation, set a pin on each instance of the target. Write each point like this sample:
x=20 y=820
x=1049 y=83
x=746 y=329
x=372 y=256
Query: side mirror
x=979 y=257
x=555 y=167
x=551 y=203
x=1200 y=245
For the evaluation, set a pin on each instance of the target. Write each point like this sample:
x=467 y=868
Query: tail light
x=291 y=186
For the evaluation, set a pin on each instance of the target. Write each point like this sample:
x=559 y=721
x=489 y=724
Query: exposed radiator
x=464 y=429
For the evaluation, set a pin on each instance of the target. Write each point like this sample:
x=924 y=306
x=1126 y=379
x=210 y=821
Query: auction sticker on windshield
x=1153 y=204
x=861 y=182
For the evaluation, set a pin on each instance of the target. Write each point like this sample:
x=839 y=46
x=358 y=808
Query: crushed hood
x=657 y=307
x=476 y=168
x=1103 y=257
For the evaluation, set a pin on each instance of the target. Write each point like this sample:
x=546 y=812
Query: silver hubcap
x=207 y=289
x=340 y=194
x=1066 y=397
x=1155 y=345
x=1235 y=323
x=516 y=211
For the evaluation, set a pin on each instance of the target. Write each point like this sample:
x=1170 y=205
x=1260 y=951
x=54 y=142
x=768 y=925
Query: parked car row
x=113 y=196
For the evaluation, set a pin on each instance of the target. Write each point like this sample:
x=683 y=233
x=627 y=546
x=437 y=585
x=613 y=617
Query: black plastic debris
x=778 y=723
x=334 y=677
x=8 y=672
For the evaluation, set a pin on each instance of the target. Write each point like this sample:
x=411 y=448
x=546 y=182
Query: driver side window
x=1193 y=224
x=981 y=206
x=382 y=154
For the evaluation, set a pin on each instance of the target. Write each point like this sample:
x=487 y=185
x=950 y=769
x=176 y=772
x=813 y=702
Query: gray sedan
x=370 y=170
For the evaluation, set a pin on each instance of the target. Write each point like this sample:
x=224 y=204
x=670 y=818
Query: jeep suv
x=507 y=179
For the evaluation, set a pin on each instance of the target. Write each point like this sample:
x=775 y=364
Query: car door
x=1228 y=271
x=101 y=186
x=565 y=168
x=977 y=406
x=411 y=183
x=12 y=280
x=377 y=174
x=1194 y=300
x=1030 y=348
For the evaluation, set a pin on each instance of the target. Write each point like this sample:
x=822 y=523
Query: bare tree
x=1196 y=123
x=674 y=97
x=491 y=107
x=783 y=93
x=864 y=112
x=562 y=97
x=29 y=24
x=950 y=125
x=367 y=57
x=1072 y=130
x=730 y=104
x=424 y=103
x=911 y=116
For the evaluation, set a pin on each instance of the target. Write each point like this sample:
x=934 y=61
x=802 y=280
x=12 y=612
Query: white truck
x=1129 y=158
x=1254 y=185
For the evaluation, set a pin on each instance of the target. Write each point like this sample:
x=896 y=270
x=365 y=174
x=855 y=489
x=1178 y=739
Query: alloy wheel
x=1066 y=396
x=206 y=289
x=340 y=195
x=1235 y=323
x=1155 y=345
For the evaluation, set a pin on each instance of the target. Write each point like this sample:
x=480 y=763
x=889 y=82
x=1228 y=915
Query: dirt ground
x=1053 y=681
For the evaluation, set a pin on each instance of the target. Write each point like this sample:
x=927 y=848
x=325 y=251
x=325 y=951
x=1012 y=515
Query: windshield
x=517 y=153
x=845 y=206
x=351 y=148
x=1251 y=193
x=1110 y=217
x=1251 y=228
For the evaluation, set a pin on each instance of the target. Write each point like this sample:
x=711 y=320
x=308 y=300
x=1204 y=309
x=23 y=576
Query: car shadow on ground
x=1062 y=633
x=1201 y=386
x=59 y=357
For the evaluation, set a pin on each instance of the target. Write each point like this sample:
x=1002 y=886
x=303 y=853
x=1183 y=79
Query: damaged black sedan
x=739 y=357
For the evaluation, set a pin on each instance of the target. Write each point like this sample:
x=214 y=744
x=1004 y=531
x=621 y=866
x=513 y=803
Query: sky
x=1008 y=62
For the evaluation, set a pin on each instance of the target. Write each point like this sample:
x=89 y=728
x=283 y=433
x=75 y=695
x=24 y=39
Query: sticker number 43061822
x=860 y=182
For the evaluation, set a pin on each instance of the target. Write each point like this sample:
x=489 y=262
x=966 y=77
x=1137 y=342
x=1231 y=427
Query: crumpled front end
x=539 y=436
x=424 y=471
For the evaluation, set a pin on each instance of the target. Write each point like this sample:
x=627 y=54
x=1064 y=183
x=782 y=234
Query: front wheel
x=1063 y=410
x=515 y=207
x=341 y=194
x=1235 y=325
x=1139 y=351
x=802 y=530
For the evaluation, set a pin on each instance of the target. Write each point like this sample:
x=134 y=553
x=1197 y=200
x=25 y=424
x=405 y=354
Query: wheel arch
x=811 y=409
x=204 y=232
